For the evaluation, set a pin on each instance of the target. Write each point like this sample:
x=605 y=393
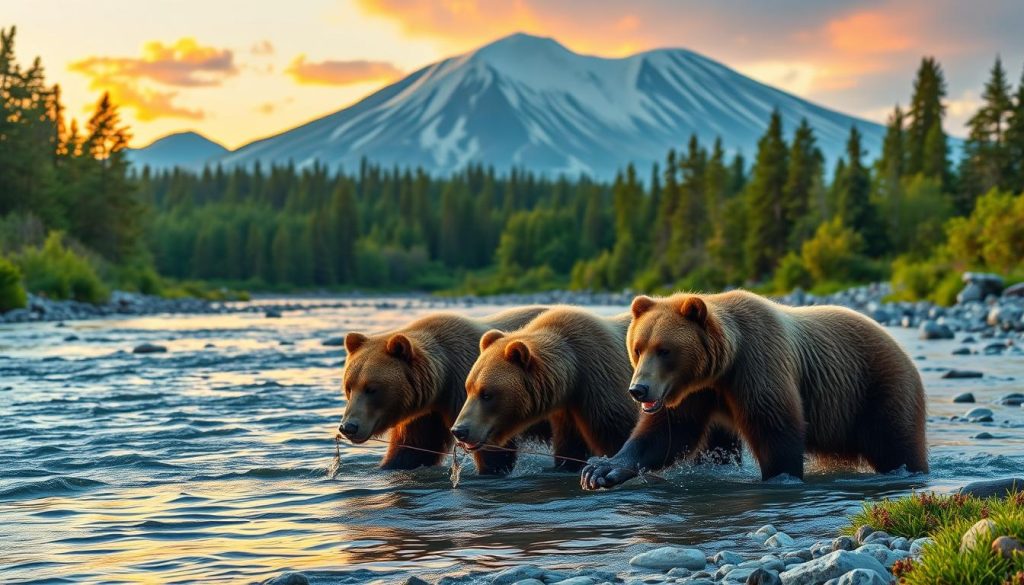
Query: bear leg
x=496 y=461
x=891 y=436
x=428 y=433
x=722 y=446
x=571 y=451
x=770 y=418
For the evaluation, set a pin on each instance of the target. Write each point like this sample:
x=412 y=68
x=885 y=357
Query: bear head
x=673 y=344
x=383 y=383
x=498 y=391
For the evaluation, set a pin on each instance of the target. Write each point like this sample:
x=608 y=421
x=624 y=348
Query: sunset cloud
x=340 y=72
x=184 y=64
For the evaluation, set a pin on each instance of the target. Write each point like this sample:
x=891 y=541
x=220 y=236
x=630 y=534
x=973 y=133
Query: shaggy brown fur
x=566 y=367
x=825 y=380
x=411 y=381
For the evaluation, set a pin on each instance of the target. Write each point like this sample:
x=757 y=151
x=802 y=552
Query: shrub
x=12 y=293
x=791 y=273
x=58 y=272
x=833 y=253
x=993 y=235
x=933 y=280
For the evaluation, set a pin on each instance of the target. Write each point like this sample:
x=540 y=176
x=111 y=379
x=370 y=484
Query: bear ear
x=694 y=309
x=489 y=338
x=517 y=353
x=354 y=341
x=641 y=305
x=400 y=346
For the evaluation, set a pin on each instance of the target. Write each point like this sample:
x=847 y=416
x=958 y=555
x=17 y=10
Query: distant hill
x=189 y=150
x=526 y=101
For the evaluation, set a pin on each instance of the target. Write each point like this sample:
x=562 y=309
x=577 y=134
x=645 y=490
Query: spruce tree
x=926 y=141
x=802 y=176
x=855 y=209
x=1015 y=141
x=986 y=163
x=766 y=226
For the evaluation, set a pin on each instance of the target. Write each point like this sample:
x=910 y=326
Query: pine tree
x=766 y=227
x=986 y=164
x=345 y=227
x=1015 y=141
x=690 y=222
x=855 y=208
x=891 y=166
x=802 y=176
x=926 y=141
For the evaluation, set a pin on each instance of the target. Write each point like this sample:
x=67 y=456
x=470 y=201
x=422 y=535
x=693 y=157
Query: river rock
x=726 y=557
x=863 y=533
x=983 y=436
x=1016 y=290
x=962 y=351
x=859 y=577
x=843 y=543
x=993 y=487
x=1012 y=399
x=900 y=543
x=529 y=582
x=979 y=414
x=918 y=545
x=149 y=348
x=990 y=283
x=723 y=571
x=932 y=330
x=779 y=540
x=272 y=314
x=580 y=580
x=288 y=579
x=415 y=581
x=961 y=374
x=831 y=566
x=970 y=293
x=801 y=555
x=679 y=572
x=1007 y=547
x=763 y=577
x=765 y=531
x=515 y=574
x=739 y=574
x=877 y=537
x=978 y=534
x=964 y=398
x=883 y=554
x=669 y=557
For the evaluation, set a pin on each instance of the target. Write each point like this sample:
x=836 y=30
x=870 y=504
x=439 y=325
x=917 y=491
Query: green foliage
x=833 y=253
x=945 y=518
x=767 y=229
x=933 y=280
x=59 y=272
x=992 y=237
x=791 y=274
x=12 y=293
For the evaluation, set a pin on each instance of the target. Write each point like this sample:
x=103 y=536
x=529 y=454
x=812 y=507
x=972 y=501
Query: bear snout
x=639 y=392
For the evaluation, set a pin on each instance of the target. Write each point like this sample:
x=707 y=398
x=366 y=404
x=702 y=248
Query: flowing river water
x=210 y=462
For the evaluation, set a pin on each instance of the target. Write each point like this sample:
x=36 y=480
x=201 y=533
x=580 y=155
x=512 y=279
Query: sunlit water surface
x=210 y=462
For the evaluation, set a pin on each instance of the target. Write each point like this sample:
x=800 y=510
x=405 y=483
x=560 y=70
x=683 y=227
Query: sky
x=239 y=70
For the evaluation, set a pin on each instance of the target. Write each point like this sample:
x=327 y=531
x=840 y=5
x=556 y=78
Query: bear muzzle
x=642 y=394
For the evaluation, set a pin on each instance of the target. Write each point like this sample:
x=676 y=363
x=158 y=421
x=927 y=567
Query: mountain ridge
x=530 y=102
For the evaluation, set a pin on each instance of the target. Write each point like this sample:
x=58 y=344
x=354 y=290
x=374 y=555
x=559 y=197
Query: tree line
x=701 y=219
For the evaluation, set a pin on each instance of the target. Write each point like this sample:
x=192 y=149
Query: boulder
x=1007 y=547
x=670 y=557
x=149 y=348
x=863 y=533
x=765 y=531
x=779 y=540
x=1011 y=399
x=883 y=554
x=977 y=535
x=1014 y=291
x=763 y=577
x=831 y=566
x=962 y=351
x=979 y=414
x=993 y=487
x=964 y=398
x=970 y=293
x=918 y=545
x=726 y=557
x=843 y=543
x=516 y=574
x=860 y=577
x=272 y=314
x=989 y=283
x=961 y=374
x=900 y=543
x=931 y=330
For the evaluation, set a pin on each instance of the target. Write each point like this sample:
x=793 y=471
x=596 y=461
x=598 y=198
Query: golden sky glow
x=239 y=70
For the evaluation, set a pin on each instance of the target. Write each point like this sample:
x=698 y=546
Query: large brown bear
x=823 y=380
x=563 y=368
x=411 y=381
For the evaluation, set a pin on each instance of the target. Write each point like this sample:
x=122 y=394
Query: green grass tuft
x=945 y=518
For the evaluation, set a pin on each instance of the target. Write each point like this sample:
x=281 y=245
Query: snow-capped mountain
x=526 y=101
x=188 y=150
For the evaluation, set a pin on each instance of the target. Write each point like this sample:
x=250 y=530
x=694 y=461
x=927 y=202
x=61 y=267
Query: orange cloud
x=184 y=63
x=868 y=32
x=340 y=72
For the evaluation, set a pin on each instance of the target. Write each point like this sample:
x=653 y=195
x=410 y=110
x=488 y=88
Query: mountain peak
x=519 y=47
x=188 y=149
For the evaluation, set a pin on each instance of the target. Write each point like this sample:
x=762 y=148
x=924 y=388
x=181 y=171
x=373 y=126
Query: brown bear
x=411 y=381
x=563 y=368
x=823 y=380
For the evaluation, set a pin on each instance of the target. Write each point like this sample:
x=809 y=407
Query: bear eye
x=486 y=395
x=369 y=391
x=661 y=352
